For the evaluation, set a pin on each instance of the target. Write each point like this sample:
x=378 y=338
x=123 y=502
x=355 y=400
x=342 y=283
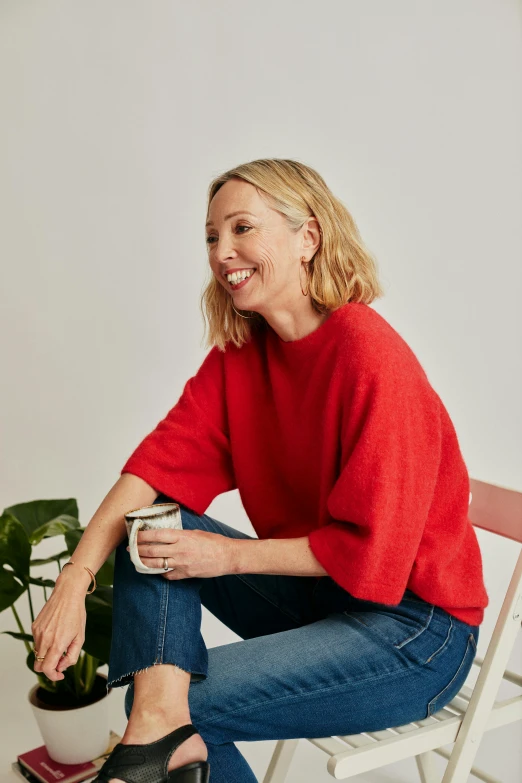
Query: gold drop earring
x=304 y=261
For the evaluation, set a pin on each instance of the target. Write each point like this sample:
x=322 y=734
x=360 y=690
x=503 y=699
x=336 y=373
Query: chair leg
x=280 y=761
x=427 y=769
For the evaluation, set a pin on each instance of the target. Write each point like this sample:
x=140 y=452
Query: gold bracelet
x=71 y=562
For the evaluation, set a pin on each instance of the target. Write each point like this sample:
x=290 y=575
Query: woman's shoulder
x=369 y=343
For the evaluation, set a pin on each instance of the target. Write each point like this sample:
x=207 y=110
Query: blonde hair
x=341 y=271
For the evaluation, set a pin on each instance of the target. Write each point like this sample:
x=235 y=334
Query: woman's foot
x=145 y=729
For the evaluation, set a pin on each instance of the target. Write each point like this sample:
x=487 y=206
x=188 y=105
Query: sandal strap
x=144 y=763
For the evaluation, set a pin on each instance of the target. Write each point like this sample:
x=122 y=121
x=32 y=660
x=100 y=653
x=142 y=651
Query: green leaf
x=15 y=551
x=40 y=581
x=36 y=514
x=10 y=590
x=26 y=637
x=55 y=527
x=72 y=539
x=98 y=628
x=91 y=665
x=10 y=586
x=105 y=575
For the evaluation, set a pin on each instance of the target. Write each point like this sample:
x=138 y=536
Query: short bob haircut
x=341 y=271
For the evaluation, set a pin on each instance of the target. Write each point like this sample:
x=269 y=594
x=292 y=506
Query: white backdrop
x=116 y=114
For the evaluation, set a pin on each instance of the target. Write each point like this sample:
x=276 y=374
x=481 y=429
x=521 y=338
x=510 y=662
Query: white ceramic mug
x=157 y=516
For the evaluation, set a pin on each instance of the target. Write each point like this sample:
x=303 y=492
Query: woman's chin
x=244 y=303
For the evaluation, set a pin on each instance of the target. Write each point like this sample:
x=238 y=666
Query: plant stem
x=77 y=669
x=87 y=673
x=30 y=602
x=21 y=628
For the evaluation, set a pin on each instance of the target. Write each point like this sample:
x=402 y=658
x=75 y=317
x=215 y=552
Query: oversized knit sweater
x=338 y=436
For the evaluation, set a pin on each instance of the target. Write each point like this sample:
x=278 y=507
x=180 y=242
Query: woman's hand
x=58 y=629
x=191 y=552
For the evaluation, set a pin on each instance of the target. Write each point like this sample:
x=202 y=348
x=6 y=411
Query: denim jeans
x=312 y=660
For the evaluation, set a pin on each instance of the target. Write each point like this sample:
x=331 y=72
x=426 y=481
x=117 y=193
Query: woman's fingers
x=152 y=558
x=41 y=646
x=39 y=651
x=72 y=655
x=48 y=666
x=158 y=562
x=58 y=633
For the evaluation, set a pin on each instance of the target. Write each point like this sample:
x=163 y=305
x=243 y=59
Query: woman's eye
x=210 y=238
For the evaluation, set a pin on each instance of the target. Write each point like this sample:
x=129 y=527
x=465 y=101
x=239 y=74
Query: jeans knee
x=190 y=520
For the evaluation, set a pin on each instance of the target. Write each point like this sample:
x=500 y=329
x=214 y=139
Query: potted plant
x=72 y=713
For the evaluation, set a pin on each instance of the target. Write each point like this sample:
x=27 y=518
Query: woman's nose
x=223 y=248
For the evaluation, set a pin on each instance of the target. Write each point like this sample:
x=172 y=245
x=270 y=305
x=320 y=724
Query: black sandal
x=148 y=763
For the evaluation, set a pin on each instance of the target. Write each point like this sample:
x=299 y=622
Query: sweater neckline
x=308 y=342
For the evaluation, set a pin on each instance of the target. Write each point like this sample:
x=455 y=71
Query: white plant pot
x=73 y=735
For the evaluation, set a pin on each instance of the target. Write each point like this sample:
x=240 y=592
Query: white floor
x=500 y=752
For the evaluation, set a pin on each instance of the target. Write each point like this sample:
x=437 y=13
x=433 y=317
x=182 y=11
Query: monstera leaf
x=45 y=518
x=15 y=551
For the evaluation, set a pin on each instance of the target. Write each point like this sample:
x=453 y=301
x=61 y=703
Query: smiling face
x=256 y=238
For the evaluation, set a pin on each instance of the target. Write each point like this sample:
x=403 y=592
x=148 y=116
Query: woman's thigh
x=331 y=677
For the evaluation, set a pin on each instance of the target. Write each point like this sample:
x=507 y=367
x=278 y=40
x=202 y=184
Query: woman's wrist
x=75 y=577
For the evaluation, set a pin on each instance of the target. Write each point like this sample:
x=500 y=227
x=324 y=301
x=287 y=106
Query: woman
x=358 y=606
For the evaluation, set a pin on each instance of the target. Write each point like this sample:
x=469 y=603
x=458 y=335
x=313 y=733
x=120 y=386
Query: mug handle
x=133 y=547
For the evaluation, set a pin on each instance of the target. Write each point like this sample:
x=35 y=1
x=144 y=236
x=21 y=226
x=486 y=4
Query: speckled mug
x=159 y=515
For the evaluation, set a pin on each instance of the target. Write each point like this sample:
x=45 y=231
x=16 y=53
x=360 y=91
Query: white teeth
x=236 y=277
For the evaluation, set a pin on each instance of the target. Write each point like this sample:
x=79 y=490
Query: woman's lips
x=236 y=287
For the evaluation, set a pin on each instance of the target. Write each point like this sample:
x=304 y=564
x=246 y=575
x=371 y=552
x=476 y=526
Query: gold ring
x=41 y=659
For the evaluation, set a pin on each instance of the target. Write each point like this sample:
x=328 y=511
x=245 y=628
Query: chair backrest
x=496 y=509
x=499 y=510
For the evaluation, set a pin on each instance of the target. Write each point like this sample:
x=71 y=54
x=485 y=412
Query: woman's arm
x=290 y=556
x=105 y=530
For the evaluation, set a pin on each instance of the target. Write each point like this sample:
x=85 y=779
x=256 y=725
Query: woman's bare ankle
x=155 y=722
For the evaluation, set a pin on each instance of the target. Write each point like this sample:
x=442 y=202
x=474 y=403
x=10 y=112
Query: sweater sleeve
x=187 y=456
x=389 y=466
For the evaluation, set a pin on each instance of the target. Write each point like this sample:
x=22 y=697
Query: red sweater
x=337 y=436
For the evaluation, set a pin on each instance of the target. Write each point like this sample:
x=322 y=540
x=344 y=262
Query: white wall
x=116 y=114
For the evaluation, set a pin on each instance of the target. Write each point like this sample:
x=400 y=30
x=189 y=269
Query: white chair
x=472 y=712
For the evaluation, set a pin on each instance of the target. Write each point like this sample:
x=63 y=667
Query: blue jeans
x=312 y=660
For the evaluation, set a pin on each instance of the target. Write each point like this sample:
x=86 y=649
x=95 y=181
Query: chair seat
x=354 y=754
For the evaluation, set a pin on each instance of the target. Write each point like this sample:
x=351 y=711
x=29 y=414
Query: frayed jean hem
x=126 y=679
